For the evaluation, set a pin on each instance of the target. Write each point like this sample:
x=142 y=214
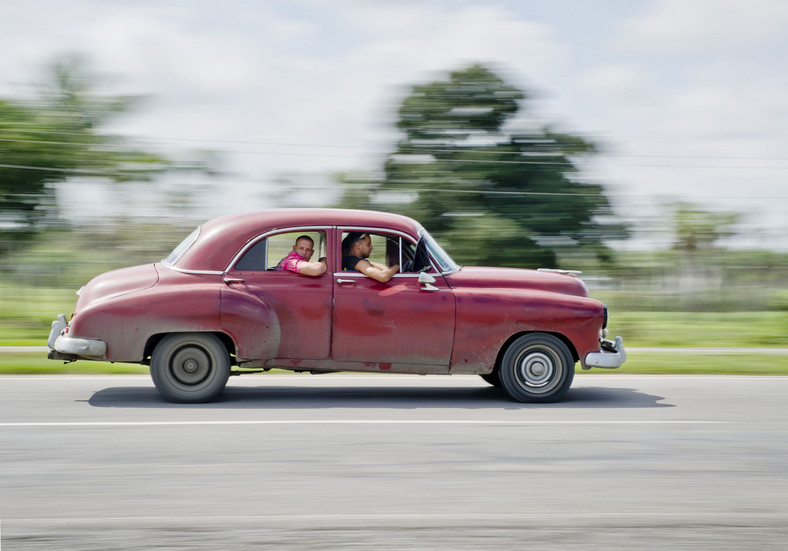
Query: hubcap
x=537 y=370
x=190 y=366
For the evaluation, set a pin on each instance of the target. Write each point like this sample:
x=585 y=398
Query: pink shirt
x=291 y=262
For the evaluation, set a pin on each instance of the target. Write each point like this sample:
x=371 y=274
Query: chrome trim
x=92 y=348
x=58 y=326
x=359 y=275
x=608 y=359
x=193 y=272
x=558 y=271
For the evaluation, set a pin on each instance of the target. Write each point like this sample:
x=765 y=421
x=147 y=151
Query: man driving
x=356 y=249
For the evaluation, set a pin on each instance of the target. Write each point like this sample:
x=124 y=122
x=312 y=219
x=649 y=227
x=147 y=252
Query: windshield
x=180 y=249
x=441 y=257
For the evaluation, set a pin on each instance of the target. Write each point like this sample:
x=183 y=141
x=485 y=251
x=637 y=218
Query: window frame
x=325 y=230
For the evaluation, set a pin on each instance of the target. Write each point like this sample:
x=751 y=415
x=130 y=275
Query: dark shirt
x=349 y=262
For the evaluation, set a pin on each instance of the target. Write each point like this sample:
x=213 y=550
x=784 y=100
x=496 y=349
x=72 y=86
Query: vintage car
x=217 y=307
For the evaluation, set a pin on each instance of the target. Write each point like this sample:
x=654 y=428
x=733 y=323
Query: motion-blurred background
x=642 y=142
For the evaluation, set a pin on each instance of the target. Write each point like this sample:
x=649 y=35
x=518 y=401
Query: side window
x=391 y=249
x=267 y=253
x=254 y=259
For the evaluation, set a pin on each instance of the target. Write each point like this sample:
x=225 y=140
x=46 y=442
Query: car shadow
x=279 y=397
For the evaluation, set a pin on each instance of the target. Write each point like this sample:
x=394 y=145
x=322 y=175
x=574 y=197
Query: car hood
x=517 y=278
x=116 y=283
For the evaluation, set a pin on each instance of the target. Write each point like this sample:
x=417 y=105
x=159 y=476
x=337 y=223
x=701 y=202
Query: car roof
x=221 y=238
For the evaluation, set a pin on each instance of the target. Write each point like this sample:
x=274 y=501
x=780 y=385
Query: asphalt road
x=394 y=462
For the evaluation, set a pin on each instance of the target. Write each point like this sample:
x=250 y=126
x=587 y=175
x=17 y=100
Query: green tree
x=697 y=229
x=493 y=196
x=57 y=136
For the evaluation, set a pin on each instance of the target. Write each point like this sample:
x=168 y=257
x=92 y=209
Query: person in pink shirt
x=298 y=259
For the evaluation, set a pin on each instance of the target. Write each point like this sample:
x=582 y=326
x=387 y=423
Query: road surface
x=394 y=462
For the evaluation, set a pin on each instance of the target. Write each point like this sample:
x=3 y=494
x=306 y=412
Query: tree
x=698 y=229
x=58 y=136
x=493 y=196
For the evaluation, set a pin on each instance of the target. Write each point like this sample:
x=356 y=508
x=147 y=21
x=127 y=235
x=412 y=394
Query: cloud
x=718 y=27
x=313 y=86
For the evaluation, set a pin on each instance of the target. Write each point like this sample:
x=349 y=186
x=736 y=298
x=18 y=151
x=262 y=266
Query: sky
x=686 y=98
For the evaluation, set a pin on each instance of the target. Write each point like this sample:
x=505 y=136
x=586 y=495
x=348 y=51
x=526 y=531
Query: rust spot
x=385 y=367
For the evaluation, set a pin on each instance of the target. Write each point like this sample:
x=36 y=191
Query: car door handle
x=341 y=281
x=231 y=280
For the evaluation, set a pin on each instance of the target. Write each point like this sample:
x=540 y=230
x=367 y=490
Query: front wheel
x=537 y=368
x=190 y=367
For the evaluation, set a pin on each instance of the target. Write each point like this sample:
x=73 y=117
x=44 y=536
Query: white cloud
x=679 y=78
x=706 y=26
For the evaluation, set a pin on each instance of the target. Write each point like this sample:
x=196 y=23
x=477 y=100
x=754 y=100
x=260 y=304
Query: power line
x=95 y=172
x=366 y=147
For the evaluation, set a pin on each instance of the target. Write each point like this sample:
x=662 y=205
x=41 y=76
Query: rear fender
x=251 y=323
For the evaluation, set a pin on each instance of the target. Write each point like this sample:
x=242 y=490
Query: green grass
x=26 y=314
x=637 y=362
x=729 y=329
x=32 y=363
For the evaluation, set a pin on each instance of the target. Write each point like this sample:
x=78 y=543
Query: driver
x=356 y=248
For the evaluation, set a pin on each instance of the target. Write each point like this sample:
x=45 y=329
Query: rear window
x=182 y=248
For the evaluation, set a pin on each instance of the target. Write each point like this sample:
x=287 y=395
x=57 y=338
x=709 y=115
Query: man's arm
x=376 y=271
x=312 y=268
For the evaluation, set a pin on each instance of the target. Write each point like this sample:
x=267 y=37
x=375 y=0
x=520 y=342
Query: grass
x=727 y=329
x=36 y=363
x=637 y=362
x=26 y=314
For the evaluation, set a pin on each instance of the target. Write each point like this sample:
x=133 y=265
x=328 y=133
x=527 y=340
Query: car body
x=215 y=307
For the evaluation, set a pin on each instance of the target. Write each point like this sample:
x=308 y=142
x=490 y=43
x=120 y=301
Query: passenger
x=298 y=259
x=356 y=248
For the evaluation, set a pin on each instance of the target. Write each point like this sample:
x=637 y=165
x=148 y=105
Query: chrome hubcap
x=536 y=369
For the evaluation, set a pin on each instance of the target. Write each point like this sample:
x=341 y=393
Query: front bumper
x=64 y=347
x=612 y=355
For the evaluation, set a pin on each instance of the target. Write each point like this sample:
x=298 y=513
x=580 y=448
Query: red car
x=218 y=306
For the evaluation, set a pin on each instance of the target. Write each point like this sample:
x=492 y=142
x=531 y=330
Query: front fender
x=487 y=319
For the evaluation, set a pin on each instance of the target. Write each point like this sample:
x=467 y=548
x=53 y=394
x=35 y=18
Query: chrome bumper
x=64 y=347
x=612 y=356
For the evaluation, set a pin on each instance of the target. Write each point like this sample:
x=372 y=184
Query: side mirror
x=426 y=281
x=426 y=278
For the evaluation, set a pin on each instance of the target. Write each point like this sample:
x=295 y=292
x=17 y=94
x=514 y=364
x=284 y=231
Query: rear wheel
x=537 y=368
x=190 y=367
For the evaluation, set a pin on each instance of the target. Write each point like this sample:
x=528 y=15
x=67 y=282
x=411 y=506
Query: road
x=394 y=462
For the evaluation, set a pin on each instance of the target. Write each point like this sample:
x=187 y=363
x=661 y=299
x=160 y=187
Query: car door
x=401 y=321
x=262 y=304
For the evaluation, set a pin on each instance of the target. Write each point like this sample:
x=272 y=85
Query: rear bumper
x=64 y=347
x=612 y=355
